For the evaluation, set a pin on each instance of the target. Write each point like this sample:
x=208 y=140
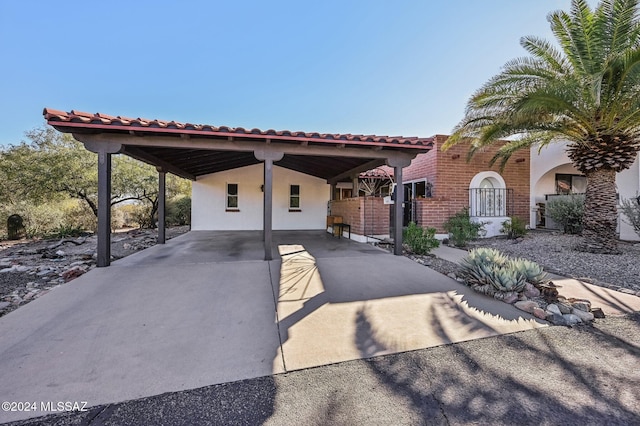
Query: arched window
x=487 y=195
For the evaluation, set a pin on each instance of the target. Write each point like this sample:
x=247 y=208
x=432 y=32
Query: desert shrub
x=631 y=210
x=461 y=229
x=420 y=240
x=567 y=212
x=178 y=211
x=65 y=231
x=514 y=227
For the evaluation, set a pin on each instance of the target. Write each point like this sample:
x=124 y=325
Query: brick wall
x=366 y=215
x=433 y=212
x=451 y=175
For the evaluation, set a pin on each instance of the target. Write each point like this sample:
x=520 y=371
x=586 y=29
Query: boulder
x=526 y=305
x=581 y=305
x=531 y=291
x=72 y=273
x=556 y=319
x=564 y=307
x=571 y=319
x=510 y=298
x=553 y=309
x=540 y=313
x=584 y=316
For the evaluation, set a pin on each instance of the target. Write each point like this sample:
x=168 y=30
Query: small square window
x=232 y=196
x=294 y=197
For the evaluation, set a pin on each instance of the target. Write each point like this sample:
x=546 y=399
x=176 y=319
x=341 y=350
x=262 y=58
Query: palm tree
x=586 y=92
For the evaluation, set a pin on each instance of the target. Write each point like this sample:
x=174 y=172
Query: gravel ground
x=556 y=253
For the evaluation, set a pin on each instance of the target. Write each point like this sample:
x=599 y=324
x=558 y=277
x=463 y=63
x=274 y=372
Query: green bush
x=420 y=240
x=461 y=229
x=178 y=211
x=514 y=227
x=567 y=212
x=631 y=210
x=65 y=231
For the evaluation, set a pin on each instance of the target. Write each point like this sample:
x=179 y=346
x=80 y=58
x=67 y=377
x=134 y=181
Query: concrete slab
x=125 y=332
x=337 y=309
x=201 y=310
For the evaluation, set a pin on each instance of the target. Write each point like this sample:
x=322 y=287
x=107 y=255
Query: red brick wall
x=376 y=215
x=366 y=215
x=433 y=212
x=451 y=175
x=349 y=209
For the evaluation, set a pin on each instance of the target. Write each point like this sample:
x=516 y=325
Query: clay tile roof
x=382 y=172
x=83 y=121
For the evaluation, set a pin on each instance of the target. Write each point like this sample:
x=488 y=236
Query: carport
x=190 y=150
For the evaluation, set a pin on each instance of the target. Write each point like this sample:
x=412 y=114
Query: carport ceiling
x=194 y=150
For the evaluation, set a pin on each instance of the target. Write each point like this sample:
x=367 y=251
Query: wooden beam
x=145 y=157
x=356 y=170
x=231 y=144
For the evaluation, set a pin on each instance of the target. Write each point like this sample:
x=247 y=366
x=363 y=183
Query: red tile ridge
x=105 y=121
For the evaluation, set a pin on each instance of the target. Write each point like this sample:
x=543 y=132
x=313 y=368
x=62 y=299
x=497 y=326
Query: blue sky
x=374 y=67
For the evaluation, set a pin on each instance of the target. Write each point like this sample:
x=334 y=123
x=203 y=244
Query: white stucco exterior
x=553 y=159
x=209 y=210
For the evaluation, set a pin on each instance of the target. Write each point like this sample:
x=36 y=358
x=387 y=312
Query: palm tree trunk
x=600 y=219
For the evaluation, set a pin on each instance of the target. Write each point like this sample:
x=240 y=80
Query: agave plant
x=490 y=272
x=506 y=280
x=479 y=265
x=532 y=272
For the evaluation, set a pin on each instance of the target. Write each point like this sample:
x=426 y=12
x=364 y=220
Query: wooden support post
x=268 y=157
x=399 y=212
x=104 y=151
x=398 y=206
x=162 y=193
x=104 y=209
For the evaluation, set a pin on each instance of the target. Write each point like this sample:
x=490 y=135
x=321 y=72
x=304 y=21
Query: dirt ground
x=30 y=268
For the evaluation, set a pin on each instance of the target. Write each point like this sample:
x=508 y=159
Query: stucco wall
x=628 y=183
x=209 y=196
x=553 y=159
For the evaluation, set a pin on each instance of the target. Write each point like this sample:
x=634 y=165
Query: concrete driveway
x=206 y=309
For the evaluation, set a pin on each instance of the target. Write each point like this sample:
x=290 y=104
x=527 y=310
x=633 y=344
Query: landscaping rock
x=4 y=305
x=510 y=298
x=584 y=316
x=571 y=319
x=564 y=307
x=556 y=319
x=531 y=291
x=540 y=313
x=553 y=309
x=597 y=313
x=582 y=305
x=72 y=273
x=526 y=305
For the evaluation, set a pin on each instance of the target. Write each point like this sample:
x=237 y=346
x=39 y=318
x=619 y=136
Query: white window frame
x=292 y=196
x=229 y=196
